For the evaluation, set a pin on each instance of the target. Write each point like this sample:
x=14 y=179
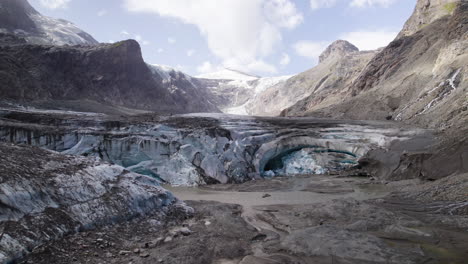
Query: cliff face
x=420 y=77
x=113 y=74
x=426 y=12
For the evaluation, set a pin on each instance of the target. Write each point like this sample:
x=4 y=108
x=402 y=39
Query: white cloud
x=190 y=52
x=180 y=67
x=206 y=67
x=124 y=32
x=102 y=12
x=138 y=37
x=310 y=49
x=370 y=40
x=316 y=4
x=240 y=32
x=54 y=4
x=369 y=3
x=285 y=59
x=171 y=40
x=160 y=50
x=145 y=42
x=283 y=12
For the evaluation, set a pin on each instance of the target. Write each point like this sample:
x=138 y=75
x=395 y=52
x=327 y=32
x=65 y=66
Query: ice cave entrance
x=309 y=160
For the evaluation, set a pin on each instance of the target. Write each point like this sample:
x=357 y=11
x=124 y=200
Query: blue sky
x=264 y=37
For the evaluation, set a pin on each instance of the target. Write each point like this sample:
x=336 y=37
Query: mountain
x=339 y=65
x=36 y=69
x=20 y=18
x=78 y=77
x=419 y=78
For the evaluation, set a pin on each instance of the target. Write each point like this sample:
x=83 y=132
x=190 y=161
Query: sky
x=262 y=37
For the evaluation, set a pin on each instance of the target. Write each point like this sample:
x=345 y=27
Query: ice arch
x=270 y=151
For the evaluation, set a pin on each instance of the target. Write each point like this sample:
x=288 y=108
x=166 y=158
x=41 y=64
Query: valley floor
x=303 y=219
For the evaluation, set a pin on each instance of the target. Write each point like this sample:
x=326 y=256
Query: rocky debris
x=451 y=190
x=46 y=195
x=229 y=238
x=343 y=230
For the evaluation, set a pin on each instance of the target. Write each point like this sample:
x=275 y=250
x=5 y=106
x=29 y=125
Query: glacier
x=198 y=149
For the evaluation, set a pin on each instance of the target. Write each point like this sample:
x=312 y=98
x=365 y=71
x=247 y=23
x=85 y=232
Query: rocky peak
x=20 y=18
x=15 y=15
x=340 y=48
x=426 y=12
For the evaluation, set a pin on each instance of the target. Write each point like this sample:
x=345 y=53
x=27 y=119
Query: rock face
x=338 y=48
x=45 y=195
x=20 y=18
x=73 y=77
x=426 y=12
x=419 y=78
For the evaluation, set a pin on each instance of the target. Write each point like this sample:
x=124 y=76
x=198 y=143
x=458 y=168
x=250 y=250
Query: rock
x=124 y=252
x=136 y=250
x=168 y=239
x=339 y=48
x=207 y=223
x=158 y=241
x=144 y=254
x=185 y=231
x=266 y=195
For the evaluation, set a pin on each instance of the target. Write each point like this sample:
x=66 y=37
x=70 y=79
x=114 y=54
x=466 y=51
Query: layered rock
x=46 y=195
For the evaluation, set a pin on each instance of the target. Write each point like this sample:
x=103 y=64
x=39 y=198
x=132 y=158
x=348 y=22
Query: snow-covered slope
x=20 y=18
x=236 y=92
x=228 y=74
x=58 y=32
x=254 y=88
x=166 y=72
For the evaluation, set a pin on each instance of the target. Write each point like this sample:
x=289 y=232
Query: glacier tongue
x=210 y=148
